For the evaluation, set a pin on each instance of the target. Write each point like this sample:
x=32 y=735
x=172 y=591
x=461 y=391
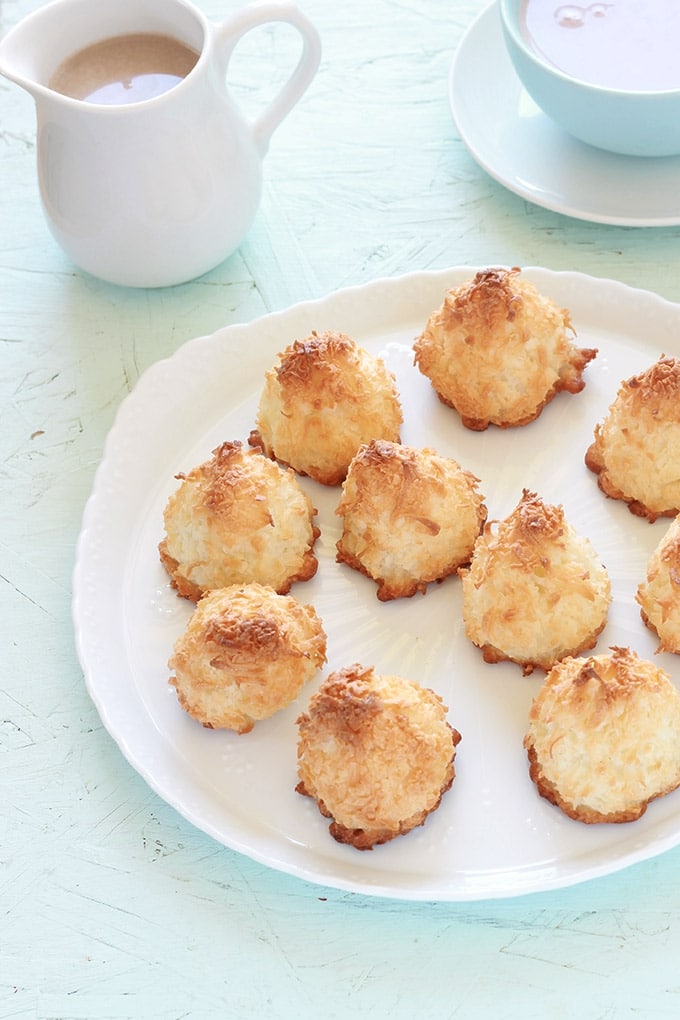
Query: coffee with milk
x=124 y=69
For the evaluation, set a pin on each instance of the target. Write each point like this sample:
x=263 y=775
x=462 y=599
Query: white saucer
x=517 y=145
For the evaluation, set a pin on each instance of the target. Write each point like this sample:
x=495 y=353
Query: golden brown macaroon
x=377 y=754
x=498 y=351
x=324 y=397
x=659 y=595
x=245 y=654
x=409 y=517
x=636 y=452
x=535 y=590
x=237 y=518
x=604 y=736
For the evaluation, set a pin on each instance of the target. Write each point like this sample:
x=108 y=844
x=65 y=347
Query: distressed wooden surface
x=111 y=905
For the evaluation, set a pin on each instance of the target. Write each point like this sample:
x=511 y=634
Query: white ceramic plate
x=517 y=145
x=492 y=835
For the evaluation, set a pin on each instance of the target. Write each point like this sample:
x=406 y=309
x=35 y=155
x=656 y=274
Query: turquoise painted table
x=111 y=904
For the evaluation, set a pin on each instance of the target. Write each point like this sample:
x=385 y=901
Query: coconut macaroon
x=324 y=398
x=409 y=517
x=245 y=654
x=604 y=736
x=535 y=590
x=498 y=351
x=636 y=451
x=377 y=754
x=659 y=595
x=236 y=518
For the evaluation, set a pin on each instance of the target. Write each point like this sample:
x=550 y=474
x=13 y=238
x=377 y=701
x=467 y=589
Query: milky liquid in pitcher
x=124 y=69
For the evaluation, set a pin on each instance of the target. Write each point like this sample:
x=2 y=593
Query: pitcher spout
x=31 y=51
x=12 y=69
x=25 y=56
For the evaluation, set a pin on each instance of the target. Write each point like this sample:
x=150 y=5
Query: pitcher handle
x=251 y=16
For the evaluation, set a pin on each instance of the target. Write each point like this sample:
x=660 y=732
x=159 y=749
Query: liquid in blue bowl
x=607 y=73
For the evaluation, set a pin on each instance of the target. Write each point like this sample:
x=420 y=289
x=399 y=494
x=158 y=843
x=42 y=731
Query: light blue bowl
x=629 y=122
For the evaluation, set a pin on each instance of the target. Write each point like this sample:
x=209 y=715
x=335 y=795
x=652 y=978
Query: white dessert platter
x=492 y=835
x=520 y=147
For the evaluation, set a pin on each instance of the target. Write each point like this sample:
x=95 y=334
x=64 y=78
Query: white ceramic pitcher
x=156 y=192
